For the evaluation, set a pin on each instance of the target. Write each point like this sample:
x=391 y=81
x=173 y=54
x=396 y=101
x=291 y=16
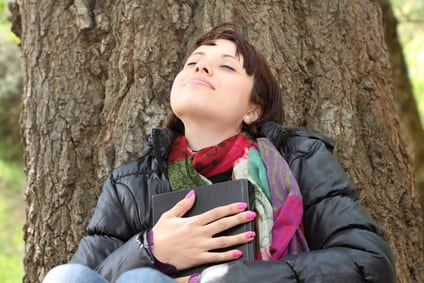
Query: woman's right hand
x=185 y=242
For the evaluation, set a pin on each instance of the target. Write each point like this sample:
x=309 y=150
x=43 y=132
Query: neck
x=204 y=135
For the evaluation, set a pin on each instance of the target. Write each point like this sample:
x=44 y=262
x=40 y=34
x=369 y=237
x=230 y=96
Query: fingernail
x=250 y=234
x=189 y=194
x=237 y=254
x=250 y=215
x=242 y=205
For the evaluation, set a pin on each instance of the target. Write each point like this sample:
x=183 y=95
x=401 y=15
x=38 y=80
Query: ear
x=253 y=114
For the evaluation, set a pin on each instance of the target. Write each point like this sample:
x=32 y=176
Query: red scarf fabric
x=212 y=160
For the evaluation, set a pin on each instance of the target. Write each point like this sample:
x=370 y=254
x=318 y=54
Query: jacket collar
x=160 y=140
x=279 y=135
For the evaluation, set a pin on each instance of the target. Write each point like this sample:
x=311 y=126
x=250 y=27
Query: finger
x=182 y=279
x=219 y=257
x=182 y=206
x=223 y=242
x=229 y=222
x=220 y=212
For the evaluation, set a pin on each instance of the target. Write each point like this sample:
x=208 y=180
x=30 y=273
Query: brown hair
x=266 y=92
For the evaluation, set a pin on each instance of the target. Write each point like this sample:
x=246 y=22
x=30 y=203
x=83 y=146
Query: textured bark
x=97 y=75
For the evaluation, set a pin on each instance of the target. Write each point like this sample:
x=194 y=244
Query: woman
x=226 y=111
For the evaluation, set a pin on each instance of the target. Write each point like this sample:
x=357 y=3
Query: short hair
x=266 y=92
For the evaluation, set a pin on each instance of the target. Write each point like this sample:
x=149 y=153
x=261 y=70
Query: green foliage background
x=12 y=184
x=410 y=16
x=12 y=178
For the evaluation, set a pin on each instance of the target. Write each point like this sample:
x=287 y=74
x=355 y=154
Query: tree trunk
x=97 y=76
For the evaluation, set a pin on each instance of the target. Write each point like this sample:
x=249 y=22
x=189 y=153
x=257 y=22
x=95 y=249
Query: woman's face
x=214 y=87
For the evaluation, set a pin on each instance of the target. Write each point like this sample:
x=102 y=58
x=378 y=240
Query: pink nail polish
x=250 y=215
x=237 y=254
x=250 y=234
x=242 y=205
x=189 y=194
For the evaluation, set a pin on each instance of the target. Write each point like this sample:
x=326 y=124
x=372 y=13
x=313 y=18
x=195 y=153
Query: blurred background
x=410 y=18
x=12 y=177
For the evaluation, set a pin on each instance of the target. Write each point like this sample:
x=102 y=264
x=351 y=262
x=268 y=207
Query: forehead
x=219 y=46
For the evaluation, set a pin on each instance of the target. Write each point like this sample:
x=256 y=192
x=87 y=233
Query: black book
x=208 y=197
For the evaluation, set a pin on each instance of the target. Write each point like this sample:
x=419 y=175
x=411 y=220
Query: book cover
x=208 y=197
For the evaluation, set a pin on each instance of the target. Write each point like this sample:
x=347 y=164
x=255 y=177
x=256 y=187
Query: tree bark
x=97 y=75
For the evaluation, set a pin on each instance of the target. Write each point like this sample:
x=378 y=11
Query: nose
x=203 y=67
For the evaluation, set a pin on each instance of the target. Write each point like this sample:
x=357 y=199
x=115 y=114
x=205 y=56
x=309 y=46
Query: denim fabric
x=78 y=273
x=146 y=274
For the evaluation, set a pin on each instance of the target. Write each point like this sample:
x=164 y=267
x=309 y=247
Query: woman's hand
x=182 y=279
x=186 y=242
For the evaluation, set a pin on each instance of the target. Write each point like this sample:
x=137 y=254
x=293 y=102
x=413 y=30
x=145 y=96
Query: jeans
x=73 y=273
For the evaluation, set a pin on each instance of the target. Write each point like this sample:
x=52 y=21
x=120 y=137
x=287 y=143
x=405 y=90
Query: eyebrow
x=224 y=55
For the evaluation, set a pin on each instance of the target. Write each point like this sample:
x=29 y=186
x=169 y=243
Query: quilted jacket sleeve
x=113 y=240
x=346 y=244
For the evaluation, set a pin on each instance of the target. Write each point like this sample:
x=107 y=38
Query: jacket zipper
x=156 y=152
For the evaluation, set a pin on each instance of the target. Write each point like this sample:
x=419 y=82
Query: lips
x=198 y=80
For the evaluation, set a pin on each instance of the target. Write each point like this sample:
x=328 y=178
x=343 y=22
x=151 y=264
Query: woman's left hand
x=185 y=242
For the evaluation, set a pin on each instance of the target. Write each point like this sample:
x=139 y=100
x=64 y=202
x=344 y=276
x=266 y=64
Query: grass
x=12 y=219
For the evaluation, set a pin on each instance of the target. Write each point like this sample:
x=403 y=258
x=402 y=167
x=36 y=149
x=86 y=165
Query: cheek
x=176 y=86
x=244 y=90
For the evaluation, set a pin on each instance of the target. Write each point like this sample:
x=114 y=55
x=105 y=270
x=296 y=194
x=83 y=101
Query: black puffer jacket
x=346 y=244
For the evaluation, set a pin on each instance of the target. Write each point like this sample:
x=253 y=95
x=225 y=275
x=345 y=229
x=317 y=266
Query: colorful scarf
x=278 y=200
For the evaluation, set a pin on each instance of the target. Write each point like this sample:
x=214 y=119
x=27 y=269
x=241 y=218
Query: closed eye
x=191 y=63
x=228 y=67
